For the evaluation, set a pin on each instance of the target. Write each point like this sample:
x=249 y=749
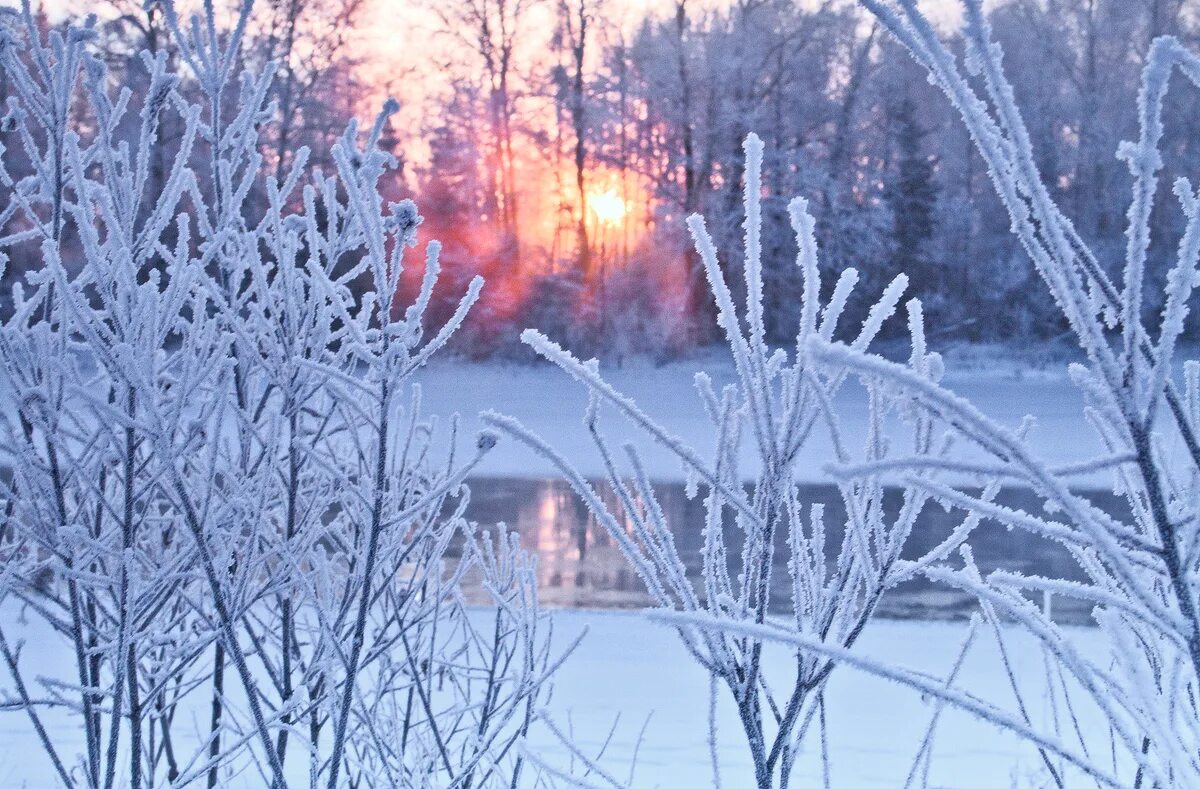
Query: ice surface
x=551 y=404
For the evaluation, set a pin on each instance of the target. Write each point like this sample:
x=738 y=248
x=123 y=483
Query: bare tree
x=493 y=29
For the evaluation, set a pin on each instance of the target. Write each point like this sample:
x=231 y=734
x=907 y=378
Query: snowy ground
x=630 y=667
x=549 y=401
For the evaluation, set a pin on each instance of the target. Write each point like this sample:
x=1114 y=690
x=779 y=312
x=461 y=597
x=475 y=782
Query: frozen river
x=580 y=565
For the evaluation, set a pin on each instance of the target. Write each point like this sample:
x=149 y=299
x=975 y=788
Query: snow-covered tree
x=218 y=491
x=1140 y=569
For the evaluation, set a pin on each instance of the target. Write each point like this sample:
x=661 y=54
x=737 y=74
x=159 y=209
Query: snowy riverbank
x=547 y=400
x=636 y=669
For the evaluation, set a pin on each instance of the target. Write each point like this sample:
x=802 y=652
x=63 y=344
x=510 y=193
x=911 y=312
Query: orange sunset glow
x=609 y=207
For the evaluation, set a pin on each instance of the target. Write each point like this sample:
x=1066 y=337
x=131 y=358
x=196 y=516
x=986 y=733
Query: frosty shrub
x=835 y=576
x=1144 y=406
x=217 y=494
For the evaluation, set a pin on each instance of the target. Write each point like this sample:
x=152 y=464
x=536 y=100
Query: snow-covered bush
x=217 y=491
x=835 y=576
x=1140 y=569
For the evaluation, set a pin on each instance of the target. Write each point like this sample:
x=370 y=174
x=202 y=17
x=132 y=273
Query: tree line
x=544 y=112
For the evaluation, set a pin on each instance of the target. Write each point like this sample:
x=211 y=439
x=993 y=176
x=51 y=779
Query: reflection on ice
x=580 y=566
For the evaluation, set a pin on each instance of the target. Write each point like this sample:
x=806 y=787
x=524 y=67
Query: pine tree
x=913 y=194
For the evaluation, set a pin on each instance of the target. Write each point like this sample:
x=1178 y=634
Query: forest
x=556 y=147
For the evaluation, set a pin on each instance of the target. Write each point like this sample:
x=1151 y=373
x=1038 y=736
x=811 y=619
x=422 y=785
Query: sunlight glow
x=608 y=207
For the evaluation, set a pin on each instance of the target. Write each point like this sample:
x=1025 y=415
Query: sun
x=608 y=207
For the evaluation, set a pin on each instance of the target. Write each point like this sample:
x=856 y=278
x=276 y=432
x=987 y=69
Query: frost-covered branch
x=217 y=490
x=779 y=399
x=1140 y=569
